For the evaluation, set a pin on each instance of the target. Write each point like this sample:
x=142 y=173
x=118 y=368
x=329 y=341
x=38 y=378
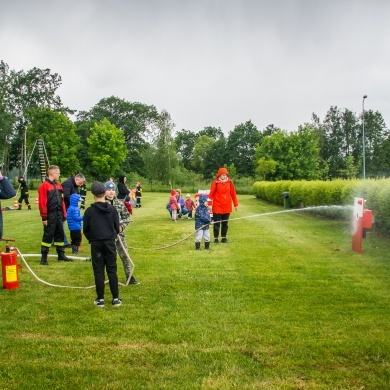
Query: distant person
x=183 y=210
x=173 y=205
x=202 y=221
x=189 y=205
x=71 y=186
x=7 y=191
x=74 y=219
x=101 y=227
x=123 y=191
x=124 y=220
x=23 y=193
x=83 y=195
x=223 y=195
x=53 y=214
x=138 y=194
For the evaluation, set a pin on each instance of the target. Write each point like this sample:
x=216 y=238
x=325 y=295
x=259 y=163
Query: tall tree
x=161 y=160
x=185 y=143
x=241 y=148
x=216 y=158
x=292 y=156
x=335 y=141
x=212 y=132
x=107 y=148
x=202 y=149
x=25 y=91
x=59 y=135
x=137 y=121
x=375 y=136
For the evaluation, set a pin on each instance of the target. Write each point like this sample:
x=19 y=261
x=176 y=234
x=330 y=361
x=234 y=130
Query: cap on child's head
x=98 y=189
x=188 y=196
x=109 y=185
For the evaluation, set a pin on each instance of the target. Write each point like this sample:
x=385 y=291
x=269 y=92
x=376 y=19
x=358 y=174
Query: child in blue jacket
x=74 y=219
x=202 y=221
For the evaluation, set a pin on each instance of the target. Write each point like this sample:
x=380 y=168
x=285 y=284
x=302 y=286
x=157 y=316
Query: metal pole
x=364 y=143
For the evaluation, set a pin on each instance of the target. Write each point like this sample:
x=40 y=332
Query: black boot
x=44 y=252
x=61 y=254
x=29 y=207
x=75 y=249
x=207 y=245
x=20 y=206
x=197 y=246
x=133 y=280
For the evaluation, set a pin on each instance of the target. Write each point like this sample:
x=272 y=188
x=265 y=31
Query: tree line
x=120 y=137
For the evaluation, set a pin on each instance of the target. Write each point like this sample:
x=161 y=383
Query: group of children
x=178 y=207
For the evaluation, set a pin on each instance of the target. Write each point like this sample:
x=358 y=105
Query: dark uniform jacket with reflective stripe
x=50 y=199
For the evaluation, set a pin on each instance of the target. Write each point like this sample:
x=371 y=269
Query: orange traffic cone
x=16 y=204
x=36 y=200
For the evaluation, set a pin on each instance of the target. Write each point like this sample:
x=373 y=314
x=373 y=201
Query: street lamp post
x=364 y=144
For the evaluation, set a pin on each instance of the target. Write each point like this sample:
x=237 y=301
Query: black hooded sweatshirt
x=101 y=222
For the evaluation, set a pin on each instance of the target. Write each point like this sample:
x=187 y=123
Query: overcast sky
x=209 y=62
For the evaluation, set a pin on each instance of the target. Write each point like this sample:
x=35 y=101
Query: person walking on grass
x=202 y=221
x=101 y=227
x=23 y=193
x=53 y=214
x=124 y=220
x=223 y=194
x=7 y=191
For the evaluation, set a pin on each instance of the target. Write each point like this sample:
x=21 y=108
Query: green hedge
x=331 y=193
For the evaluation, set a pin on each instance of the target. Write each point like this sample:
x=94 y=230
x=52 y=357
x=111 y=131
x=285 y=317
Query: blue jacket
x=73 y=214
x=7 y=191
x=202 y=214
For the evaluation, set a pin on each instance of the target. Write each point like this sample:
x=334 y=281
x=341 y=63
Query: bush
x=332 y=193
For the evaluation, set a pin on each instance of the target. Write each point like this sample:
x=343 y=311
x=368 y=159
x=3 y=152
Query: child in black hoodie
x=101 y=227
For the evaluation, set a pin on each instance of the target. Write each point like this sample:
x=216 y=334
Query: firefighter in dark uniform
x=53 y=214
x=23 y=193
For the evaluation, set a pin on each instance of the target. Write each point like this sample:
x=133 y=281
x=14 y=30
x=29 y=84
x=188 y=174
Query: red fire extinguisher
x=9 y=267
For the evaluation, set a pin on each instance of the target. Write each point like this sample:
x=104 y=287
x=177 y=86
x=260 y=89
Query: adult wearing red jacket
x=224 y=197
x=53 y=214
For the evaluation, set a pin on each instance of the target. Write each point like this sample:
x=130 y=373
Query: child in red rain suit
x=174 y=205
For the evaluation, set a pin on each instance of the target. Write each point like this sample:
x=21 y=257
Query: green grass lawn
x=285 y=304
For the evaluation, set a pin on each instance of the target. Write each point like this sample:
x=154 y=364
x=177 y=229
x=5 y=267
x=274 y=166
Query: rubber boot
x=44 y=253
x=20 y=206
x=75 y=249
x=207 y=245
x=29 y=207
x=61 y=254
x=197 y=246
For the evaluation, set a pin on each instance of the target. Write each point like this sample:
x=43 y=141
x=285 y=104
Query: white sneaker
x=99 y=302
x=116 y=302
